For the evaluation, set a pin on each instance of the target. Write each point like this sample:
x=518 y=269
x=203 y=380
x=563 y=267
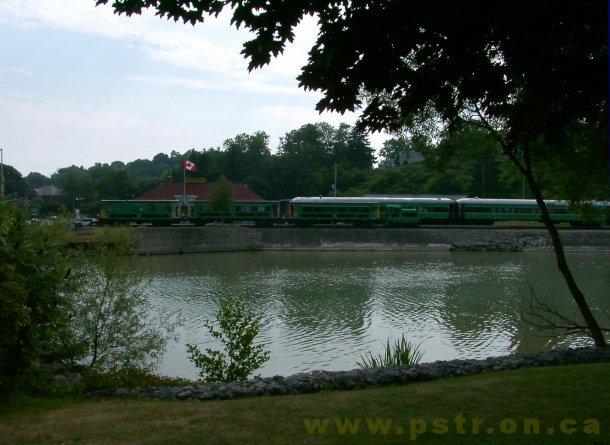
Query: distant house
x=408 y=156
x=405 y=157
x=49 y=194
x=198 y=192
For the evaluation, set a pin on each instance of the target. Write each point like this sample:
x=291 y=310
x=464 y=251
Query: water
x=322 y=310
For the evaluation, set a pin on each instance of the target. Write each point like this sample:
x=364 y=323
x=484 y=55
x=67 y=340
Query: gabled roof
x=48 y=191
x=201 y=191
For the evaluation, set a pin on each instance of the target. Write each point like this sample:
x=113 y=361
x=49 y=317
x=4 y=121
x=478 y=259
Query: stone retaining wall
x=153 y=240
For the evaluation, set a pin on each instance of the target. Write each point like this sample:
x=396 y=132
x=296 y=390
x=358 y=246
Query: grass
x=501 y=400
x=402 y=352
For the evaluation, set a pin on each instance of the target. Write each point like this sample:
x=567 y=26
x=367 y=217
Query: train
x=350 y=211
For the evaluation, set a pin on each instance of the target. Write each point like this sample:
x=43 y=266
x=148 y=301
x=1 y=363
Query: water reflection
x=321 y=310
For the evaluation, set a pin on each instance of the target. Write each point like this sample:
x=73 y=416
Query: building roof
x=201 y=191
x=49 y=190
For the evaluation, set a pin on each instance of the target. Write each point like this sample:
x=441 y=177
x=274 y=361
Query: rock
x=360 y=378
x=59 y=380
x=123 y=392
x=66 y=379
x=184 y=394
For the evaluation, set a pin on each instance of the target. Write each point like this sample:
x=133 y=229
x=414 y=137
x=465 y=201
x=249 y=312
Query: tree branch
x=538 y=313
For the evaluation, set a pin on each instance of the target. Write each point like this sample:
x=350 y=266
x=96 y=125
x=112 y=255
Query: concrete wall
x=195 y=239
x=230 y=238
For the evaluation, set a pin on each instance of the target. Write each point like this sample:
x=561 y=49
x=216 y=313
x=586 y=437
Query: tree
x=15 y=186
x=76 y=183
x=305 y=160
x=35 y=180
x=359 y=153
x=222 y=197
x=110 y=182
x=245 y=155
x=33 y=271
x=391 y=150
x=527 y=72
x=472 y=152
x=563 y=175
x=108 y=323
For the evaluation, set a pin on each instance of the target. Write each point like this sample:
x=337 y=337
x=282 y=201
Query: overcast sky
x=80 y=85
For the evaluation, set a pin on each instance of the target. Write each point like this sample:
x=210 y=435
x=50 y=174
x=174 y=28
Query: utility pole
x=335 y=184
x=1 y=173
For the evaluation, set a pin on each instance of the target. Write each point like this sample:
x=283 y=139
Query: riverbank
x=551 y=405
x=160 y=240
x=317 y=381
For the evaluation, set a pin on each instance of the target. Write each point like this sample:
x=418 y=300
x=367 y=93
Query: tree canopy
x=14 y=184
x=538 y=65
x=222 y=196
x=527 y=71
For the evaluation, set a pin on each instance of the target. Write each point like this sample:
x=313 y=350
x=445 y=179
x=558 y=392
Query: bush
x=241 y=357
x=95 y=380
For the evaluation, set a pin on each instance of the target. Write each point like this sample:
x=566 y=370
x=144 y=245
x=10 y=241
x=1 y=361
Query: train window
x=432 y=209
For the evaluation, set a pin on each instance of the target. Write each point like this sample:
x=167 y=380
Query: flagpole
x=187 y=165
x=183 y=188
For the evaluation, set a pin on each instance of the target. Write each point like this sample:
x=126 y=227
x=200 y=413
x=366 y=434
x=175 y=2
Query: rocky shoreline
x=316 y=381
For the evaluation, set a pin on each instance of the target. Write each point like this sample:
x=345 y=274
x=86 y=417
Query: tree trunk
x=562 y=264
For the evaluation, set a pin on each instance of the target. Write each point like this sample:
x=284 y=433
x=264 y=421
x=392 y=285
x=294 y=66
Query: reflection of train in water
x=359 y=212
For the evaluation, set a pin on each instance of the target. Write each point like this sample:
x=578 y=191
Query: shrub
x=131 y=377
x=238 y=330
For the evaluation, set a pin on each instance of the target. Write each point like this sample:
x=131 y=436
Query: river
x=322 y=310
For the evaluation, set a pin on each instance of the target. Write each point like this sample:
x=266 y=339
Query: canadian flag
x=190 y=166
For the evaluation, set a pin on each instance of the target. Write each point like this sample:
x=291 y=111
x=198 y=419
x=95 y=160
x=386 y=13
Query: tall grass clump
x=402 y=352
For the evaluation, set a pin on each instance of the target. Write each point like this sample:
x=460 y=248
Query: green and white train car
x=256 y=212
x=161 y=212
x=488 y=211
x=429 y=210
x=305 y=211
x=369 y=211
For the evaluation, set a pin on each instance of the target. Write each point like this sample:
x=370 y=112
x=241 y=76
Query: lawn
x=554 y=405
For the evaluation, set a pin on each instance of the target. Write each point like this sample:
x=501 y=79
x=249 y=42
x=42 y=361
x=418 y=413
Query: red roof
x=201 y=191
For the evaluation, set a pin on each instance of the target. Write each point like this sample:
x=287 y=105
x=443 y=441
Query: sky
x=80 y=85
